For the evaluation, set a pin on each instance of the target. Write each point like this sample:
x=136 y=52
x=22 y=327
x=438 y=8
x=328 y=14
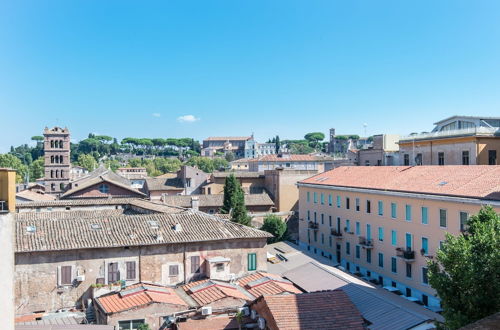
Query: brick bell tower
x=57 y=159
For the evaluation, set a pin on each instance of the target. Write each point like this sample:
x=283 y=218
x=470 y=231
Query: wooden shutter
x=173 y=270
x=66 y=275
x=130 y=270
x=113 y=273
x=195 y=264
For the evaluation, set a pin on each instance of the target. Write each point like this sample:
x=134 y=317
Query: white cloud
x=187 y=119
x=156 y=114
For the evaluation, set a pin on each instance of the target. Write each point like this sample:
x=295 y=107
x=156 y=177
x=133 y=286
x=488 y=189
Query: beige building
x=384 y=222
x=383 y=152
x=291 y=162
x=458 y=140
x=64 y=249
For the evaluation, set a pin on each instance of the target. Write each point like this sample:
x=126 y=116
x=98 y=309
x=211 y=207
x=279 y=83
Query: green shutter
x=252 y=261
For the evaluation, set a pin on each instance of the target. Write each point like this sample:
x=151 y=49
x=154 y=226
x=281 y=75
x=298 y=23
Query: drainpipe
x=184 y=263
x=140 y=263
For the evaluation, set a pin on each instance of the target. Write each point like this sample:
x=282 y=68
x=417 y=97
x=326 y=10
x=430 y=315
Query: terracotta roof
x=473 y=181
x=167 y=175
x=214 y=322
x=34 y=196
x=293 y=158
x=239 y=174
x=216 y=200
x=138 y=295
x=69 y=214
x=261 y=283
x=127 y=230
x=208 y=291
x=75 y=202
x=316 y=310
x=101 y=175
x=226 y=138
x=155 y=184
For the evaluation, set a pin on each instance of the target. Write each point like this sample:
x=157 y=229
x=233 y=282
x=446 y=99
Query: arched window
x=57 y=173
x=53 y=187
x=60 y=159
x=104 y=188
x=61 y=186
x=52 y=159
x=52 y=143
x=61 y=144
x=61 y=174
x=51 y=173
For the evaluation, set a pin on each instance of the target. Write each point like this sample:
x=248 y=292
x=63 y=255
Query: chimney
x=195 y=203
x=7 y=208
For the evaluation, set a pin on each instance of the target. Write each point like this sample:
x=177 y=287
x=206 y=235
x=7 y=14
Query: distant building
x=457 y=140
x=253 y=149
x=240 y=164
x=293 y=162
x=57 y=159
x=225 y=144
x=77 y=172
x=187 y=181
x=384 y=151
x=136 y=175
x=251 y=182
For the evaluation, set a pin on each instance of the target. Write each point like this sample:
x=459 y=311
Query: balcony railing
x=406 y=254
x=313 y=225
x=449 y=133
x=365 y=242
x=336 y=233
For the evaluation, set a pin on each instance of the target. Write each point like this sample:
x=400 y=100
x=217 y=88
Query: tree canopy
x=275 y=226
x=234 y=201
x=466 y=271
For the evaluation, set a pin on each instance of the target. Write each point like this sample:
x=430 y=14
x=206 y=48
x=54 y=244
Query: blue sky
x=126 y=68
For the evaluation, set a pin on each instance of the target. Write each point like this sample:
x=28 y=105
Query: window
x=492 y=157
x=358 y=251
x=330 y=201
x=308 y=197
x=394 y=267
x=406 y=160
x=330 y=220
x=348 y=225
x=104 y=188
x=418 y=159
x=252 y=261
x=348 y=248
x=322 y=219
x=440 y=158
x=173 y=270
x=338 y=224
x=322 y=198
x=315 y=197
x=465 y=157
x=425 y=278
x=129 y=325
x=338 y=202
x=442 y=218
x=408 y=270
x=425 y=245
x=408 y=292
x=308 y=215
x=357 y=204
x=369 y=256
x=368 y=231
x=381 y=234
x=322 y=238
x=381 y=260
x=380 y=208
x=408 y=212
x=394 y=240
x=358 y=228
x=195 y=264
x=368 y=206
x=330 y=241
x=394 y=209
x=130 y=270
x=219 y=267
x=425 y=300
x=425 y=217
x=66 y=278
x=347 y=203
x=113 y=272
x=464 y=217
x=315 y=217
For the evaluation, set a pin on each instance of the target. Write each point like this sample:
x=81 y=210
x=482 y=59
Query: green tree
x=314 y=138
x=143 y=326
x=278 y=144
x=37 y=169
x=230 y=187
x=11 y=161
x=239 y=213
x=275 y=226
x=466 y=271
x=229 y=157
x=87 y=161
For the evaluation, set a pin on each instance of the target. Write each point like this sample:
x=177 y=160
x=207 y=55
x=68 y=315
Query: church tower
x=57 y=159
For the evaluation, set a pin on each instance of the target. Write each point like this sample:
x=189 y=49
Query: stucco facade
x=357 y=238
x=38 y=274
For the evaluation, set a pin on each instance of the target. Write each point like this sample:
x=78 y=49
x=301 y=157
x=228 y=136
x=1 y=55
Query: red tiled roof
x=137 y=295
x=315 y=310
x=228 y=138
x=473 y=181
x=261 y=283
x=293 y=158
x=208 y=291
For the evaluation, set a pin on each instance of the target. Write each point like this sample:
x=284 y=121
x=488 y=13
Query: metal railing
x=313 y=225
x=336 y=233
x=455 y=132
x=365 y=242
x=406 y=254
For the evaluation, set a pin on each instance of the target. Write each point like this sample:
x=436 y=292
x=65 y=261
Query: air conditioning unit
x=244 y=310
x=261 y=323
x=80 y=278
x=206 y=310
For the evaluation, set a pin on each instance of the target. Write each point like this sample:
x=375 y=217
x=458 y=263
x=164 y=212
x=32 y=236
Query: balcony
x=347 y=231
x=406 y=254
x=365 y=243
x=313 y=225
x=336 y=233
